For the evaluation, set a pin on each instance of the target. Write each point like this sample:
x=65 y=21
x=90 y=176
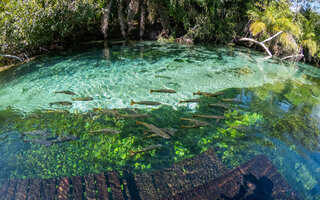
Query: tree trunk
x=133 y=9
x=164 y=22
x=142 y=18
x=121 y=19
x=105 y=19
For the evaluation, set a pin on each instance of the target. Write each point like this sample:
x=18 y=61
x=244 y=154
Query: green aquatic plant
x=232 y=139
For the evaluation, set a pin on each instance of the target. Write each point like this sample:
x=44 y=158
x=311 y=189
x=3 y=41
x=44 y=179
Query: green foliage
x=37 y=23
x=299 y=28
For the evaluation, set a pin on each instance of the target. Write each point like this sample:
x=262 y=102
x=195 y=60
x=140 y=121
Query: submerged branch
x=11 y=56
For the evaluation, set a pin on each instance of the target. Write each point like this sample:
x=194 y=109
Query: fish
x=170 y=131
x=150 y=103
x=106 y=130
x=37 y=133
x=62 y=103
x=57 y=111
x=230 y=100
x=191 y=126
x=132 y=110
x=149 y=148
x=155 y=129
x=206 y=94
x=197 y=123
x=163 y=91
x=134 y=116
x=107 y=111
x=221 y=105
x=165 y=77
x=217 y=117
x=83 y=99
x=161 y=70
x=190 y=101
x=65 y=92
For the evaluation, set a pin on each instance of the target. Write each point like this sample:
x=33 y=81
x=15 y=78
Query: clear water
x=277 y=112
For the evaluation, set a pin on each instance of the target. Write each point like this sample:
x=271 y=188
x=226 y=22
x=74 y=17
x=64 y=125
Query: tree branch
x=258 y=43
x=262 y=43
x=293 y=56
x=270 y=38
x=11 y=56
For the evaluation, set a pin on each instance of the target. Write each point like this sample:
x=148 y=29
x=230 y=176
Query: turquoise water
x=276 y=111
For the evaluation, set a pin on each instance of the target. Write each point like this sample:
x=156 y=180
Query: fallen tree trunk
x=262 y=43
x=11 y=56
x=15 y=65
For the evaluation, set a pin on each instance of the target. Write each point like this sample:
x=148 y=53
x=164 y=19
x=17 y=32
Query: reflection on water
x=275 y=112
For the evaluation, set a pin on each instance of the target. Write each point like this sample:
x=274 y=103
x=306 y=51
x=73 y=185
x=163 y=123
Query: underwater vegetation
x=110 y=139
x=105 y=139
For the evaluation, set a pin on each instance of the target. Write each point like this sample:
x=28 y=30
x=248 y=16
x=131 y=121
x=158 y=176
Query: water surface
x=275 y=111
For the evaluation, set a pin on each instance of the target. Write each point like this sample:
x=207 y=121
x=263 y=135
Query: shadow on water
x=253 y=189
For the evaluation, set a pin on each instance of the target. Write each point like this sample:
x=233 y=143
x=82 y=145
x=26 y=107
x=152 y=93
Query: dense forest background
x=32 y=27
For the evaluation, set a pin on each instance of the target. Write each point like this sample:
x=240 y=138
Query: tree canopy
x=30 y=26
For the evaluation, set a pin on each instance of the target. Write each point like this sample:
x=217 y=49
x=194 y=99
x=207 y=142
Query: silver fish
x=83 y=99
x=66 y=92
x=150 y=103
x=190 y=101
x=62 y=103
x=206 y=94
x=155 y=129
x=163 y=91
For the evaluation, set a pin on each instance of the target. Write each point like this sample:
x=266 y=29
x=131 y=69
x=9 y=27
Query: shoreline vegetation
x=35 y=27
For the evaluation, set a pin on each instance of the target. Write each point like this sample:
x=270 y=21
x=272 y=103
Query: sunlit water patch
x=273 y=109
x=128 y=73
